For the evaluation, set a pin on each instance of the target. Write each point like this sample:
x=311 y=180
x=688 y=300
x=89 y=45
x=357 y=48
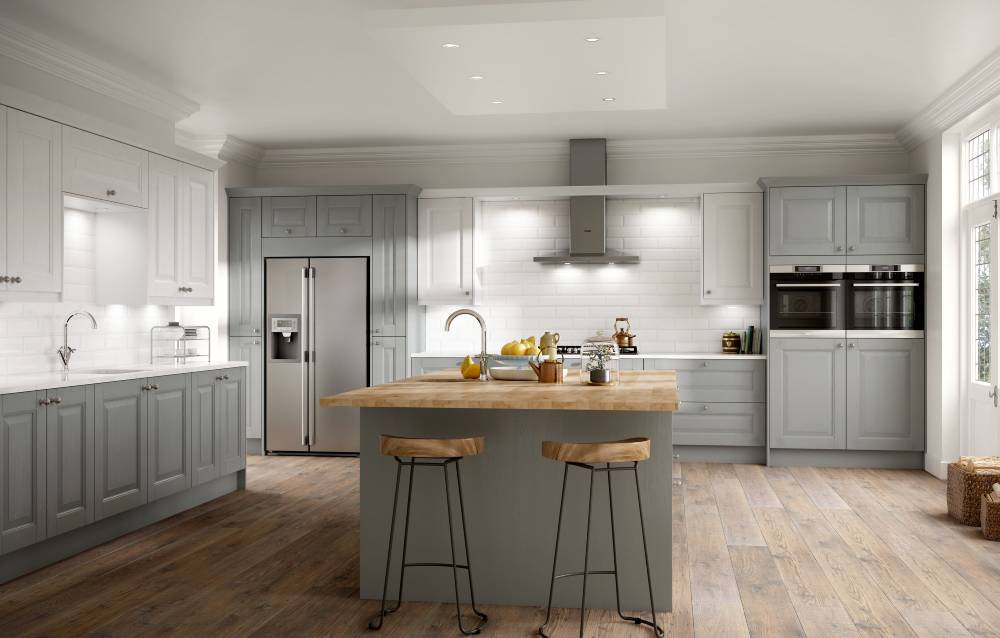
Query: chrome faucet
x=483 y=357
x=65 y=352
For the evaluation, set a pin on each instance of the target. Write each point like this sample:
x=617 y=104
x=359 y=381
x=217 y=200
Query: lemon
x=466 y=362
x=518 y=349
x=508 y=348
x=531 y=340
x=532 y=350
x=471 y=371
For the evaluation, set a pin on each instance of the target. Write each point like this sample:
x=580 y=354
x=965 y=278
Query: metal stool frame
x=376 y=622
x=634 y=468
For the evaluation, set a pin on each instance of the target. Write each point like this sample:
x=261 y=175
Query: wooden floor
x=758 y=551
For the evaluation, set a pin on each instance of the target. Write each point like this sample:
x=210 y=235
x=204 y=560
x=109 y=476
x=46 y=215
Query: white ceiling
x=373 y=72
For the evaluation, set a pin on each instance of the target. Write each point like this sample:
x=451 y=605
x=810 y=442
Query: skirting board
x=65 y=545
x=848 y=458
x=720 y=454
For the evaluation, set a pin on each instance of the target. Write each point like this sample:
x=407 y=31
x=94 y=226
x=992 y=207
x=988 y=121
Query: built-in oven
x=885 y=299
x=807 y=298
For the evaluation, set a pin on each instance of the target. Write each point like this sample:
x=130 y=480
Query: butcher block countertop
x=639 y=391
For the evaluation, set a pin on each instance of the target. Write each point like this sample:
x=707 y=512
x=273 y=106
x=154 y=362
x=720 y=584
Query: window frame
x=991 y=126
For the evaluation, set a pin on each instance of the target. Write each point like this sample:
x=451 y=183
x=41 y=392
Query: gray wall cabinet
x=232 y=419
x=344 y=216
x=388 y=359
x=388 y=278
x=251 y=350
x=246 y=268
x=288 y=217
x=22 y=461
x=885 y=220
x=885 y=394
x=807 y=393
x=120 y=465
x=809 y=220
x=204 y=426
x=169 y=435
x=69 y=452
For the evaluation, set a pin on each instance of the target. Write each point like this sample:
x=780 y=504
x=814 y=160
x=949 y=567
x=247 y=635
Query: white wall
x=660 y=295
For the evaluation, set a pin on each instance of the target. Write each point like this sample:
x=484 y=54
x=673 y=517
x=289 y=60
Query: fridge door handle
x=312 y=355
x=304 y=365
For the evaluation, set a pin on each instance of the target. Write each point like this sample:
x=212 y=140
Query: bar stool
x=587 y=456
x=422 y=453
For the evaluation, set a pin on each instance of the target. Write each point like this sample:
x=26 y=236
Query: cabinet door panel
x=736 y=424
x=344 y=216
x=388 y=280
x=807 y=220
x=885 y=220
x=98 y=167
x=198 y=210
x=444 y=252
x=233 y=421
x=3 y=198
x=388 y=360
x=70 y=459
x=169 y=436
x=732 y=241
x=289 y=216
x=807 y=394
x=716 y=380
x=246 y=282
x=165 y=230
x=22 y=459
x=121 y=448
x=34 y=217
x=251 y=350
x=885 y=394
x=204 y=424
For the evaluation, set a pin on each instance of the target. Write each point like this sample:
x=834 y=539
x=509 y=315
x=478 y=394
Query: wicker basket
x=990 y=517
x=965 y=493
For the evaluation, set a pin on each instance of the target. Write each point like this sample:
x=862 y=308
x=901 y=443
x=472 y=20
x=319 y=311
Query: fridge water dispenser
x=286 y=343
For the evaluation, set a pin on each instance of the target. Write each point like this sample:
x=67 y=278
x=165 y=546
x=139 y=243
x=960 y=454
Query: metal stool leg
x=454 y=565
x=645 y=552
x=555 y=555
x=465 y=538
x=373 y=625
x=586 y=555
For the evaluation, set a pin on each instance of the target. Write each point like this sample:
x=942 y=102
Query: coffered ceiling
x=375 y=72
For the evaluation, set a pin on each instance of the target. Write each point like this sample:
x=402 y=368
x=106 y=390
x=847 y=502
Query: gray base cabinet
x=204 y=426
x=169 y=404
x=22 y=479
x=728 y=424
x=885 y=392
x=121 y=426
x=807 y=394
x=251 y=350
x=232 y=420
x=716 y=380
x=69 y=451
x=388 y=360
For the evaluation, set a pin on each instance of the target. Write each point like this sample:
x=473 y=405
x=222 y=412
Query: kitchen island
x=512 y=493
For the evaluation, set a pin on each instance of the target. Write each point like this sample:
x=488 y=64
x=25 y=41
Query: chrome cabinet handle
x=15 y=280
x=154 y=387
x=288 y=231
x=840 y=345
x=4 y=279
x=218 y=378
x=994 y=395
x=111 y=192
x=852 y=248
x=45 y=402
x=850 y=345
x=704 y=408
x=225 y=377
x=708 y=292
x=343 y=230
x=840 y=249
x=146 y=387
x=57 y=400
x=256 y=342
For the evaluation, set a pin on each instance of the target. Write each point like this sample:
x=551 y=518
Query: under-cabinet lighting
x=601 y=73
x=592 y=39
x=607 y=99
x=497 y=102
x=449 y=45
x=475 y=77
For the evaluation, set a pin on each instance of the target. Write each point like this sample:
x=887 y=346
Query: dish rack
x=174 y=344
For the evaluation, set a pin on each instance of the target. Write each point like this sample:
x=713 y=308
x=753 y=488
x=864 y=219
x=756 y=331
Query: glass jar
x=599 y=363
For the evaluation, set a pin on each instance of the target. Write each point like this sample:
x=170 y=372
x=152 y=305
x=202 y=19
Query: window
x=981 y=244
x=978 y=153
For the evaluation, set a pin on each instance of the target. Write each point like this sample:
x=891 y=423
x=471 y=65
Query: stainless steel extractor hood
x=588 y=166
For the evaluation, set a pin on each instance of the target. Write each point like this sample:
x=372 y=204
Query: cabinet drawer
x=94 y=166
x=716 y=380
x=344 y=216
x=289 y=217
x=740 y=424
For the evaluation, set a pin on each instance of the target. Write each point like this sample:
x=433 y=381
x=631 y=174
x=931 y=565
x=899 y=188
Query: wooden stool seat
x=635 y=449
x=431 y=448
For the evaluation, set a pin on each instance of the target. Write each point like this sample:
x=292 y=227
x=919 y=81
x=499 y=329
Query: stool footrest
x=435 y=565
x=604 y=572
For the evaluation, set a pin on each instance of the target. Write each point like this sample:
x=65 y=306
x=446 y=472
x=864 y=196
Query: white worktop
x=86 y=376
x=641 y=355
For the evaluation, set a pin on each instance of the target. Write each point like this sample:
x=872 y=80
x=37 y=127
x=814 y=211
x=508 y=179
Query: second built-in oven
x=885 y=298
x=807 y=298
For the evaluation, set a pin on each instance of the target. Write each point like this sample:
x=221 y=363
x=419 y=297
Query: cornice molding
x=974 y=90
x=41 y=52
x=227 y=149
x=559 y=151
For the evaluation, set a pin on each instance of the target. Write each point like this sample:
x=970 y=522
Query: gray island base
x=511 y=505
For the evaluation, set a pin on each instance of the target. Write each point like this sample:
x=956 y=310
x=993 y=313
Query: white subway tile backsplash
x=660 y=295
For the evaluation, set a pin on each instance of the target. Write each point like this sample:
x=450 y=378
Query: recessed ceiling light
x=449 y=45
x=601 y=73
x=475 y=77
x=608 y=99
x=592 y=39
x=497 y=102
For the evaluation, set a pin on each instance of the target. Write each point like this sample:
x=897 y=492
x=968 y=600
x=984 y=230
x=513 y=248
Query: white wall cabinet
x=97 y=167
x=444 y=251
x=31 y=215
x=732 y=248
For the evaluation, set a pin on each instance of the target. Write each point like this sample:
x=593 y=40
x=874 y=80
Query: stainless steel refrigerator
x=317 y=345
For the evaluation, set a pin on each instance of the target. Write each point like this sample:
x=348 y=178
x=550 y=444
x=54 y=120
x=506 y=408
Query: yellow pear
x=471 y=371
x=466 y=362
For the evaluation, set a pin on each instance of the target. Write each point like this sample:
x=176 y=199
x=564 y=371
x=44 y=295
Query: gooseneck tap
x=483 y=357
x=65 y=352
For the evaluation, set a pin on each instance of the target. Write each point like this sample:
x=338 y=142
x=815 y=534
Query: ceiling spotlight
x=607 y=99
x=497 y=102
x=475 y=77
x=592 y=39
x=449 y=45
x=601 y=73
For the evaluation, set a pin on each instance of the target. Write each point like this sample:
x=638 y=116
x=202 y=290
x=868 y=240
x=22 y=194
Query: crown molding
x=559 y=151
x=974 y=90
x=227 y=149
x=41 y=52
